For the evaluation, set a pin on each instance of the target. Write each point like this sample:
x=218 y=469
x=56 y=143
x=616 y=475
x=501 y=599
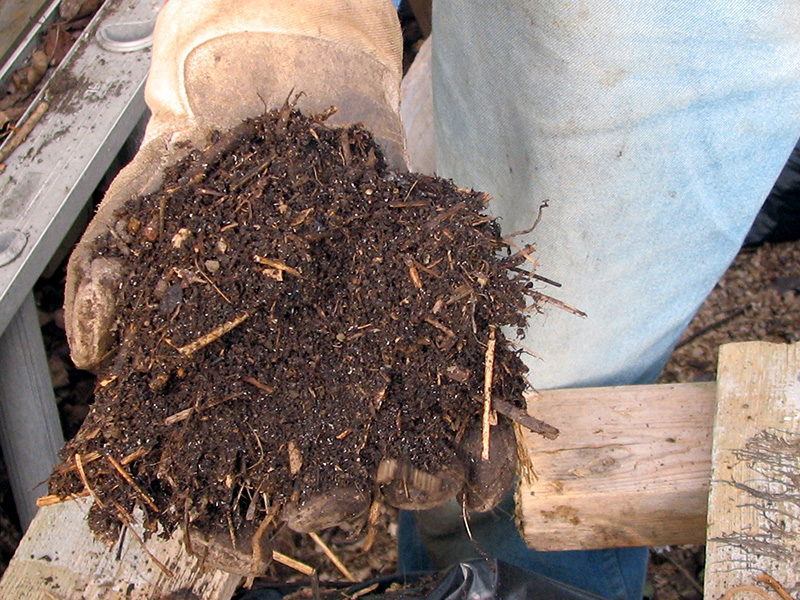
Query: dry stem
x=212 y=336
x=256 y=543
x=332 y=557
x=82 y=475
x=290 y=562
x=488 y=377
x=560 y=304
x=746 y=588
x=24 y=130
x=127 y=477
x=775 y=585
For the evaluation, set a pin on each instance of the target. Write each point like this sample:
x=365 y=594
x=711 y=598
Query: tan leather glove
x=215 y=63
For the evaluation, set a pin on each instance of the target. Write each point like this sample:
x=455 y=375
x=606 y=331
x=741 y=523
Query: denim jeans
x=437 y=538
x=654 y=130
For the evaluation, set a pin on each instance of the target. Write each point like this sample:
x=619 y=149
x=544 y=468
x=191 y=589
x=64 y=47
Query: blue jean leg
x=655 y=130
x=437 y=538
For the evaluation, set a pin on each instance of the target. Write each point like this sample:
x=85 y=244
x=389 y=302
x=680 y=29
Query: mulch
x=292 y=314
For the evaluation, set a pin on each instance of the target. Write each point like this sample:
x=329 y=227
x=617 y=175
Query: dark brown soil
x=352 y=304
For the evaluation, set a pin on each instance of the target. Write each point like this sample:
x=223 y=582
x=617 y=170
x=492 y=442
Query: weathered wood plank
x=59 y=558
x=631 y=467
x=754 y=504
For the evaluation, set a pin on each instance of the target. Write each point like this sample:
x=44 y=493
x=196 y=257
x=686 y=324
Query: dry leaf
x=75 y=9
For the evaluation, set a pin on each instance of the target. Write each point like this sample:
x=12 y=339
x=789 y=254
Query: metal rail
x=96 y=98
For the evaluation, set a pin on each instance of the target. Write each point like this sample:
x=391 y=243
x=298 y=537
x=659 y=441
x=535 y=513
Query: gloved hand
x=215 y=63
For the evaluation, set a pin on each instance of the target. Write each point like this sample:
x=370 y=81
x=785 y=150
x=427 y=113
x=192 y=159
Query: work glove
x=216 y=63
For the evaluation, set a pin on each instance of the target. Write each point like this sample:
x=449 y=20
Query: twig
x=82 y=475
x=713 y=326
x=127 y=477
x=488 y=378
x=128 y=521
x=211 y=283
x=52 y=499
x=64 y=468
x=559 y=304
x=746 y=588
x=277 y=264
x=440 y=326
x=412 y=271
x=545 y=280
x=523 y=418
x=24 y=130
x=288 y=561
x=372 y=522
x=332 y=557
x=523 y=252
x=775 y=585
x=363 y=592
x=212 y=336
x=179 y=416
x=685 y=572
x=542 y=206
x=253 y=172
x=445 y=214
x=258 y=551
x=184 y=414
x=256 y=383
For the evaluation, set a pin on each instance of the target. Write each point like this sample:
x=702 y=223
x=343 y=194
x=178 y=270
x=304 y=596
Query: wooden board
x=631 y=467
x=59 y=559
x=754 y=504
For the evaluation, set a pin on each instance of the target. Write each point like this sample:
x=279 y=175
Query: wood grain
x=754 y=504
x=59 y=558
x=631 y=467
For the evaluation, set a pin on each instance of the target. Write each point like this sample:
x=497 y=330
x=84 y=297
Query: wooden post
x=754 y=504
x=631 y=467
x=59 y=558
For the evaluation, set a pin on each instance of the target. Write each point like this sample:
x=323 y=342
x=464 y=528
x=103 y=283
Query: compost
x=292 y=313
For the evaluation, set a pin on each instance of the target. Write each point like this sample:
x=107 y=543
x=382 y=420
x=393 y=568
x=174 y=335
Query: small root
x=82 y=475
x=258 y=551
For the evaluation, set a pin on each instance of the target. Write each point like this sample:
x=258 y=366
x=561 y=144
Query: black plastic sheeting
x=474 y=580
x=779 y=218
